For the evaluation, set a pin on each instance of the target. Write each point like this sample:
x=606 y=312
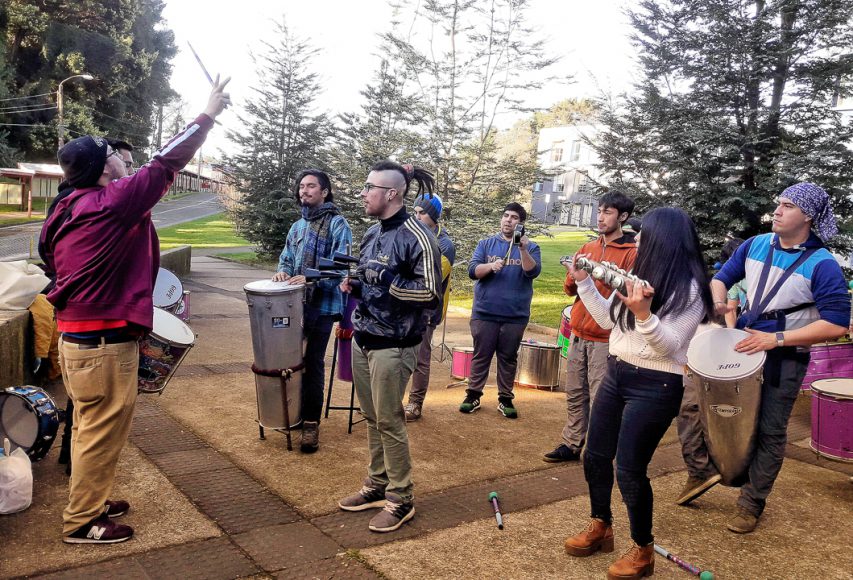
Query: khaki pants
x=380 y=378
x=102 y=381
x=586 y=366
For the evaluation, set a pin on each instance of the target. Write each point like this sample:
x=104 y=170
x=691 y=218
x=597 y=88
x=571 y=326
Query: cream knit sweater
x=656 y=344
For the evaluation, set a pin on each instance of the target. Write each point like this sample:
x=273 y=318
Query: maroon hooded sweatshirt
x=105 y=252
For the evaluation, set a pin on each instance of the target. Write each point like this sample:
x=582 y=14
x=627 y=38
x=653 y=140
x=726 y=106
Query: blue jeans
x=632 y=410
x=317 y=328
x=784 y=371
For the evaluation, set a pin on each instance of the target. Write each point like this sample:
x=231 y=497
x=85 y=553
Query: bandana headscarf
x=814 y=202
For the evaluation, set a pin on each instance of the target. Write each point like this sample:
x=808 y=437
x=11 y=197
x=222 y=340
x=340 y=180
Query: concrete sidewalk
x=212 y=500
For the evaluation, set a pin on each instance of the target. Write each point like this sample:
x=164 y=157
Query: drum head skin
x=837 y=388
x=567 y=312
x=171 y=329
x=269 y=287
x=712 y=355
x=18 y=422
x=168 y=290
x=463 y=349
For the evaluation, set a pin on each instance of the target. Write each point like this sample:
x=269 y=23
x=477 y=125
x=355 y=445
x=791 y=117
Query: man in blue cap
x=797 y=296
x=428 y=208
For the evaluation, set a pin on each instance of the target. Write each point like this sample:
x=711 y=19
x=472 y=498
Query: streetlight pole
x=59 y=109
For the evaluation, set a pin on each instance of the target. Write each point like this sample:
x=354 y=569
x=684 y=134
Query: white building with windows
x=567 y=195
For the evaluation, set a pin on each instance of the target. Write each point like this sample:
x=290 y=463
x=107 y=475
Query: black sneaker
x=562 y=453
x=116 y=508
x=470 y=404
x=310 y=437
x=396 y=513
x=506 y=408
x=101 y=530
x=369 y=496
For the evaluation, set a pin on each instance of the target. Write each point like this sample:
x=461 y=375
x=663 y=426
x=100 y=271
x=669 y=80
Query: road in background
x=21 y=242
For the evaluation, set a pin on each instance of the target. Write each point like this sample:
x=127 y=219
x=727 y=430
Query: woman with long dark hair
x=651 y=329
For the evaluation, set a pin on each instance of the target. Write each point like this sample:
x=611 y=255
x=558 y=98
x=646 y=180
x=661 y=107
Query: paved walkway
x=264 y=536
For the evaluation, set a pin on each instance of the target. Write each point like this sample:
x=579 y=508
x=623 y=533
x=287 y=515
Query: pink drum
x=182 y=311
x=828 y=361
x=832 y=419
x=344 y=335
x=461 y=365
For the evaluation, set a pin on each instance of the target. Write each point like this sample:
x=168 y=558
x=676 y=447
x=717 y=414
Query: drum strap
x=761 y=300
x=283 y=373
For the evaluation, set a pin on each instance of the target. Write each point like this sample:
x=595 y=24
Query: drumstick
x=204 y=70
x=703 y=575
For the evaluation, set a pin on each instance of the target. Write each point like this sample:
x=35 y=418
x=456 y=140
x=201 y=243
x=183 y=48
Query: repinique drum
x=564 y=339
x=275 y=316
x=162 y=350
x=168 y=290
x=29 y=418
x=182 y=310
x=460 y=367
x=729 y=386
x=832 y=419
x=828 y=361
x=538 y=365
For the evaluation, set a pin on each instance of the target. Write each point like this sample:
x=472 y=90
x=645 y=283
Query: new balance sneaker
x=413 y=411
x=506 y=408
x=562 y=453
x=101 y=530
x=116 y=508
x=470 y=404
x=396 y=513
x=310 y=437
x=371 y=495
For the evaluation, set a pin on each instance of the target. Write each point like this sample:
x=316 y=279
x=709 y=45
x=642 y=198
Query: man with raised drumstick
x=797 y=296
x=586 y=362
x=319 y=233
x=101 y=243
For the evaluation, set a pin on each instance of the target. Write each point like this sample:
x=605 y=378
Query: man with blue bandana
x=797 y=296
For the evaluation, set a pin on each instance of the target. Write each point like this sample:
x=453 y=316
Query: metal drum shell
x=729 y=405
x=275 y=317
x=832 y=419
x=538 y=365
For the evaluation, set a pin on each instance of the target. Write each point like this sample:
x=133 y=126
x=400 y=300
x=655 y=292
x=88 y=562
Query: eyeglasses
x=115 y=152
x=368 y=186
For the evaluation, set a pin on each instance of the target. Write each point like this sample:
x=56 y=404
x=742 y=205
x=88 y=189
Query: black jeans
x=632 y=410
x=316 y=331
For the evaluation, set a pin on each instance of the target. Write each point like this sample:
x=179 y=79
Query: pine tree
x=735 y=103
x=281 y=137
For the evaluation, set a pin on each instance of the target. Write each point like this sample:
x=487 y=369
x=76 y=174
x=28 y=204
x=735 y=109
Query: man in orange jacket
x=588 y=350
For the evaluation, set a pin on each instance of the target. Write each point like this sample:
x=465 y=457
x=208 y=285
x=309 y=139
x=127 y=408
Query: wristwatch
x=780 y=339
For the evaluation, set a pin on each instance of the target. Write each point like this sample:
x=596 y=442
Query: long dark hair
x=670 y=259
x=424 y=179
x=322 y=179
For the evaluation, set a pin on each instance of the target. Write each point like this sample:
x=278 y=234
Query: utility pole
x=59 y=107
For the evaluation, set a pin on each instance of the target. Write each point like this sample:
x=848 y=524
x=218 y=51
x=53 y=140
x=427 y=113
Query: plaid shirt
x=293 y=256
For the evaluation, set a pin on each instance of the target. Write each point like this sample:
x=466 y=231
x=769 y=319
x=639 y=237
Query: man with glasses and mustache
x=101 y=243
x=399 y=279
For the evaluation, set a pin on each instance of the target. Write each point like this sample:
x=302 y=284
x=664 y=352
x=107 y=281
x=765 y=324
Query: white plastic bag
x=16 y=480
x=19 y=284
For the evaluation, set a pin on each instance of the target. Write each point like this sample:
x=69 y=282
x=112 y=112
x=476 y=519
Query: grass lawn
x=548 y=297
x=38 y=206
x=16 y=221
x=216 y=231
x=250 y=259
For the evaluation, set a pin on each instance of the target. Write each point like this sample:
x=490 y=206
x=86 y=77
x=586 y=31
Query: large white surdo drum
x=275 y=315
x=729 y=386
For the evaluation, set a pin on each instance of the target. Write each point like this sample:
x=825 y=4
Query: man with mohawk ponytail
x=398 y=278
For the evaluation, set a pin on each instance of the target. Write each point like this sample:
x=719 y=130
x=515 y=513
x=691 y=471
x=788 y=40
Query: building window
x=576 y=151
x=537 y=186
x=556 y=151
x=560 y=184
x=547 y=198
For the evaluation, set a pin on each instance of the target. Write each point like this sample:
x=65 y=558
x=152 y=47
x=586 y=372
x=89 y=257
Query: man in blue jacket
x=504 y=271
x=797 y=296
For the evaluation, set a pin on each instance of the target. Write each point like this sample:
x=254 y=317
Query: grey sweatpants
x=420 y=378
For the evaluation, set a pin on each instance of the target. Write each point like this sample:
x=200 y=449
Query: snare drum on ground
x=29 y=418
x=162 y=350
x=460 y=367
x=832 y=419
x=538 y=365
x=729 y=387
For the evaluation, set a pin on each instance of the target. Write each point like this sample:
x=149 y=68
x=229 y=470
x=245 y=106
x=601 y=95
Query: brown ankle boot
x=637 y=562
x=597 y=536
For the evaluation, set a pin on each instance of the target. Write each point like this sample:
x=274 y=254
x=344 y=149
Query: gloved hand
x=377 y=273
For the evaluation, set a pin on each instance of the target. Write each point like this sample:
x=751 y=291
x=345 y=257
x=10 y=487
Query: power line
x=47 y=108
x=24 y=107
x=27 y=97
x=23 y=125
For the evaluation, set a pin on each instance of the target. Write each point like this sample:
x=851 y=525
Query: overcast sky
x=591 y=37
